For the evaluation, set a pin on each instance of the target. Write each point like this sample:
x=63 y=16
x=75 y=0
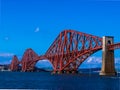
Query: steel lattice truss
x=71 y=48
x=28 y=57
x=14 y=64
x=67 y=52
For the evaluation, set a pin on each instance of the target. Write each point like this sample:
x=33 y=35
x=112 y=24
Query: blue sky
x=36 y=23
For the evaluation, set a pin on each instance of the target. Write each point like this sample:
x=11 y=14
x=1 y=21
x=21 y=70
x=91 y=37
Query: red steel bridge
x=68 y=51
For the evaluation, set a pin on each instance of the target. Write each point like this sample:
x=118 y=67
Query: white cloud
x=6 y=54
x=117 y=60
x=94 y=60
x=89 y=60
x=98 y=60
x=5 y=62
x=37 y=29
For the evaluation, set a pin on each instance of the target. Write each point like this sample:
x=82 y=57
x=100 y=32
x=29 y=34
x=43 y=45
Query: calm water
x=44 y=80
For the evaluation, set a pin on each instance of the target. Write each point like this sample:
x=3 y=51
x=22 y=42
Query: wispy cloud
x=94 y=60
x=117 y=60
x=6 y=54
x=98 y=60
x=89 y=60
x=37 y=29
x=5 y=62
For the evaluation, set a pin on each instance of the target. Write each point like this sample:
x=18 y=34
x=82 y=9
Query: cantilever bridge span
x=68 y=51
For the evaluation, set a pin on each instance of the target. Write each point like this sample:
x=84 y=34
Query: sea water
x=48 y=81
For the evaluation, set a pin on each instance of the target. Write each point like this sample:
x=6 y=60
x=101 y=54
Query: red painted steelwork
x=28 y=56
x=67 y=52
x=14 y=64
x=114 y=46
x=71 y=48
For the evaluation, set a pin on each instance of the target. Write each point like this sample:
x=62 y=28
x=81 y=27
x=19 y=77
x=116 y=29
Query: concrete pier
x=108 y=67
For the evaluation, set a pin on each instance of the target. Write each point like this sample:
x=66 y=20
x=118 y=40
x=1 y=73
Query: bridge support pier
x=108 y=67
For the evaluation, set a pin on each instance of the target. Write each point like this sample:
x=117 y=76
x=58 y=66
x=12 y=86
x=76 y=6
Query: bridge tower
x=108 y=67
